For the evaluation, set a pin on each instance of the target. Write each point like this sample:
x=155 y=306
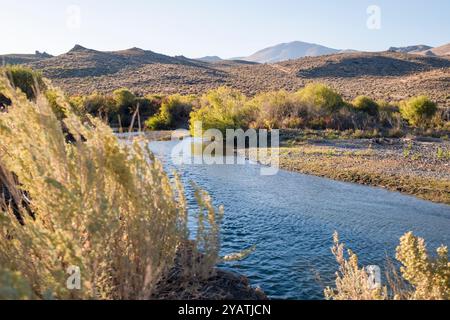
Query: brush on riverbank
x=412 y=167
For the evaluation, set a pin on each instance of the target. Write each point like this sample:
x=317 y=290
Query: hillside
x=411 y=49
x=82 y=62
x=289 y=51
x=439 y=51
x=386 y=75
x=23 y=58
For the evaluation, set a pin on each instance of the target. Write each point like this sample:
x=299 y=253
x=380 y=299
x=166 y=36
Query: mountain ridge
x=84 y=62
x=411 y=49
x=289 y=51
x=443 y=50
x=210 y=59
x=19 y=58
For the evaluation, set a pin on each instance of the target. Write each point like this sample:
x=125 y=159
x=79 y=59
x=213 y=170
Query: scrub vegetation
x=420 y=277
x=74 y=197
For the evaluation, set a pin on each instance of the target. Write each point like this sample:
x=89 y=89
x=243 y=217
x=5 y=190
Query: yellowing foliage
x=421 y=277
x=429 y=277
x=98 y=204
x=222 y=109
x=418 y=110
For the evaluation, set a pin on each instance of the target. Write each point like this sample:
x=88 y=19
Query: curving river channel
x=291 y=218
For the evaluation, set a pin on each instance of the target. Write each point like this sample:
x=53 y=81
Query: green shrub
x=126 y=104
x=418 y=110
x=277 y=110
x=367 y=105
x=28 y=81
x=124 y=98
x=156 y=123
x=174 y=113
x=223 y=109
x=77 y=102
x=321 y=98
x=53 y=99
x=148 y=106
x=100 y=105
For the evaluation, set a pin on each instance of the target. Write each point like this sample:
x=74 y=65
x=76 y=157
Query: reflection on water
x=291 y=218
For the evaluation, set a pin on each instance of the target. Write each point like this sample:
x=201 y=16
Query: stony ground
x=411 y=166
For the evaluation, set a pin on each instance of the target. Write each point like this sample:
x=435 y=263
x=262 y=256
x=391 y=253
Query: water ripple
x=291 y=218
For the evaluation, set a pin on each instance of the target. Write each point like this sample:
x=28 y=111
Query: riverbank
x=220 y=285
x=412 y=166
x=297 y=214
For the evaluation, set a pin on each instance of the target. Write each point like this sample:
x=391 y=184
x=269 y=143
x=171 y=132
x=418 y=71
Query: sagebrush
x=104 y=206
x=421 y=276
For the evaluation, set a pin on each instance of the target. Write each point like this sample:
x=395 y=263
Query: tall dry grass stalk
x=421 y=276
x=100 y=205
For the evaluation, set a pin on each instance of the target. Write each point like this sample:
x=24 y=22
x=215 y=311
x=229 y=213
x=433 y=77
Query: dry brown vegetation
x=386 y=75
x=74 y=196
x=422 y=276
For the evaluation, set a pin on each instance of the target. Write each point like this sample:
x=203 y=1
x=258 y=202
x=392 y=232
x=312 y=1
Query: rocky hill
x=13 y=59
x=81 y=62
x=439 y=51
x=411 y=49
x=425 y=50
x=385 y=75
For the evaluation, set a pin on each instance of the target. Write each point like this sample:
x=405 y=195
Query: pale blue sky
x=226 y=28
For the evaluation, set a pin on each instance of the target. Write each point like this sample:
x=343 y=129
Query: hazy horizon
x=226 y=29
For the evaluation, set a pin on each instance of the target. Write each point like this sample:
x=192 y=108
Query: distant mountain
x=424 y=50
x=439 y=51
x=219 y=61
x=289 y=51
x=411 y=49
x=210 y=59
x=23 y=58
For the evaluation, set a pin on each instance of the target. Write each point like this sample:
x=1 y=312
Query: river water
x=291 y=218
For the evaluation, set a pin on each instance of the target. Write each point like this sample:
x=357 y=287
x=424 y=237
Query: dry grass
x=421 y=277
x=103 y=206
